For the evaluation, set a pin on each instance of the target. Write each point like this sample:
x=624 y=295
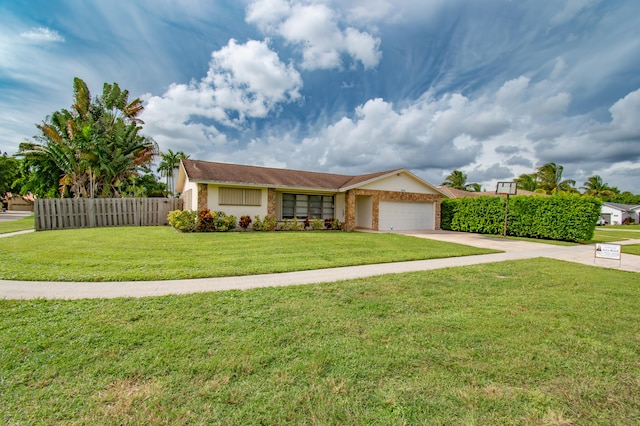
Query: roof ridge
x=201 y=170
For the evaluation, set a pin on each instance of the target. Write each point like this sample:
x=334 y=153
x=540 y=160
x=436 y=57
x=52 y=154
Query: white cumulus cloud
x=317 y=30
x=243 y=81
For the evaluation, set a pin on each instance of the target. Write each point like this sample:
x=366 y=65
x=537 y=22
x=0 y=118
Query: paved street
x=13 y=215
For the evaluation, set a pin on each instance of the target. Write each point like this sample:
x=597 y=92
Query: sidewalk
x=513 y=250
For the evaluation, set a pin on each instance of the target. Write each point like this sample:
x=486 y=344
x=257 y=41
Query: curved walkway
x=512 y=250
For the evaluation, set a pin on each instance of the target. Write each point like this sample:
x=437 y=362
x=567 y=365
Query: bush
x=203 y=221
x=206 y=221
x=333 y=224
x=317 y=224
x=269 y=223
x=183 y=220
x=224 y=222
x=560 y=217
x=290 y=225
x=245 y=221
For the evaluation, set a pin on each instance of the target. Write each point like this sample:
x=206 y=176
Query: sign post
x=506 y=188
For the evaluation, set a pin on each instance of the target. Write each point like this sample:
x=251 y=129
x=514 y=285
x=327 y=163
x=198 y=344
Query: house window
x=239 y=197
x=302 y=206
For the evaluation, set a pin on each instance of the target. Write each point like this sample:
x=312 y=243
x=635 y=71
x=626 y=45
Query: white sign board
x=509 y=188
x=608 y=251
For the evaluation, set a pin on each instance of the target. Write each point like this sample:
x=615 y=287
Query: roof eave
x=374 y=179
x=265 y=185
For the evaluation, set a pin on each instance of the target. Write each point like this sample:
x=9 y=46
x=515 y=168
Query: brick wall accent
x=271 y=202
x=203 y=196
x=377 y=196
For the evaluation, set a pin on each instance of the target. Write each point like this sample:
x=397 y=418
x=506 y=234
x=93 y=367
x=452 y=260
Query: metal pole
x=506 y=216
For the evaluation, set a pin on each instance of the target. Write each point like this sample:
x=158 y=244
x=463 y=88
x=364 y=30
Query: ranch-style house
x=389 y=200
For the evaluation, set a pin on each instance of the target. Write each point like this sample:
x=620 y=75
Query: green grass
x=159 y=253
x=610 y=236
x=537 y=342
x=628 y=227
x=631 y=249
x=17 y=225
x=532 y=240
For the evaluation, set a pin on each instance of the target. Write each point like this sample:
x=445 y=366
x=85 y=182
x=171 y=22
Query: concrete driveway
x=512 y=250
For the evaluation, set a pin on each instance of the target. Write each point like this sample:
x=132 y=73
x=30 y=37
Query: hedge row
x=206 y=220
x=561 y=217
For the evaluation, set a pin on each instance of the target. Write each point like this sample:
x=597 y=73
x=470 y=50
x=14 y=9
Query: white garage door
x=399 y=216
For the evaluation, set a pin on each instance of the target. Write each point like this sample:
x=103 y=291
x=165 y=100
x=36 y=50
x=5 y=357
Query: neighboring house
x=615 y=213
x=460 y=193
x=389 y=200
x=17 y=202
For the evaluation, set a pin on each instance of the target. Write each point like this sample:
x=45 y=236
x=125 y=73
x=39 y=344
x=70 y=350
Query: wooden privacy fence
x=62 y=213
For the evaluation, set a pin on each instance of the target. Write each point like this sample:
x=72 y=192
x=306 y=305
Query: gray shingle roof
x=206 y=171
x=623 y=207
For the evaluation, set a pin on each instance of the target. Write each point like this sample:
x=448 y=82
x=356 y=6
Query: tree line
x=548 y=179
x=93 y=149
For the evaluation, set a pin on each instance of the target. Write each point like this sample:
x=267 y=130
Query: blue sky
x=494 y=88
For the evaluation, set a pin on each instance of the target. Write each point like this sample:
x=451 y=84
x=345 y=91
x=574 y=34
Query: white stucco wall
x=194 y=195
x=400 y=183
x=617 y=216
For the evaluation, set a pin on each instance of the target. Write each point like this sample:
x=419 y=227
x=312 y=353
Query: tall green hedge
x=560 y=217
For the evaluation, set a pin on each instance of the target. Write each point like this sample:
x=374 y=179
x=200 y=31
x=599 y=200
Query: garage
x=404 y=215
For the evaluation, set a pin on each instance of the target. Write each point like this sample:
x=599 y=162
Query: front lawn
x=160 y=253
x=535 y=342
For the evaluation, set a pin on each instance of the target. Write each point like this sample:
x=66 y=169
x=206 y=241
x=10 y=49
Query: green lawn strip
x=532 y=240
x=522 y=342
x=160 y=253
x=17 y=225
x=627 y=227
x=605 y=236
x=631 y=249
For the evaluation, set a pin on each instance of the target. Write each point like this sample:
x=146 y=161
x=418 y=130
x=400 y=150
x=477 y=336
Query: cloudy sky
x=494 y=88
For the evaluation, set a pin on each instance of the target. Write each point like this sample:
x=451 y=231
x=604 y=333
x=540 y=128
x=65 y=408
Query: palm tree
x=550 y=179
x=595 y=187
x=458 y=180
x=168 y=163
x=528 y=182
x=96 y=145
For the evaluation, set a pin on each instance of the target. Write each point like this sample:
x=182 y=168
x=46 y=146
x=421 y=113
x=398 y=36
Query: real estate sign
x=608 y=251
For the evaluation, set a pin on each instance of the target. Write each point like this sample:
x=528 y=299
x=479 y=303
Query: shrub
x=245 y=221
x=560 y=217
x=290 y=225
x=317 y=224
x=183 y=220
x=336 y=225
x=269 y=223
x=224 y=222
x=206 y=221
